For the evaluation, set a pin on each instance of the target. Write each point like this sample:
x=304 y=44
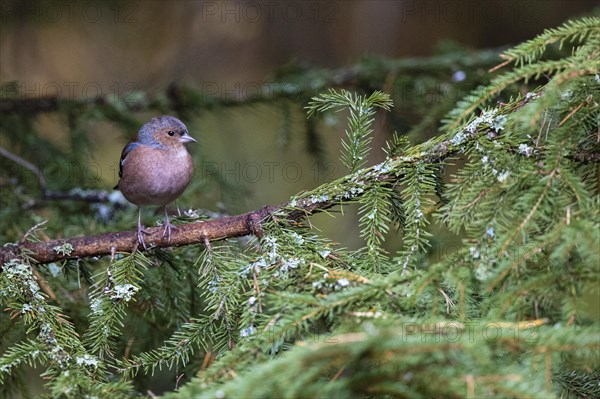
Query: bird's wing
x=128 y=148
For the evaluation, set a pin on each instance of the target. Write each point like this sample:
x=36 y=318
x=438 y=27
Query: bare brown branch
x=126 y=241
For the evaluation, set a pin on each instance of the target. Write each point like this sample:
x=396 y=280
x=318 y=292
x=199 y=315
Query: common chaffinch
x=156 y=169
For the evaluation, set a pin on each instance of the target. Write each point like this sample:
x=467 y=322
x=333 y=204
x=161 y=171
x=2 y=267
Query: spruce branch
x=483 y=94
x=119 y=284
x=322 y=198
x=57 y=345
x=570 y=31
x=362 y=112
x=389 y=361
x=528 y=65
x=126 y=241
x=345 y=189
x=375 y=218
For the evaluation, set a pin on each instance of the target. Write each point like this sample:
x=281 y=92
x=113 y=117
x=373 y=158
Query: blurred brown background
x=153 y=43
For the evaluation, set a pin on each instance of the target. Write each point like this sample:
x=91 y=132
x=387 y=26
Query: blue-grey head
x=164 y=131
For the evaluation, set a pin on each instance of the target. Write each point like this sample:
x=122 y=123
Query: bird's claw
x=140 y=236
x=167 y=229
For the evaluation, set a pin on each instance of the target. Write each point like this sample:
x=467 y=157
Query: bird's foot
x=167 y=229
x=140 y=236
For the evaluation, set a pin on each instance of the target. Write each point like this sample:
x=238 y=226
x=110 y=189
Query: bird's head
x=164 y=132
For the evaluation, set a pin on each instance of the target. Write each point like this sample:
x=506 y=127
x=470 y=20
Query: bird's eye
x=170 y=133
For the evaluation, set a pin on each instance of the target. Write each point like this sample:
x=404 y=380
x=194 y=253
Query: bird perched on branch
x=156 y=168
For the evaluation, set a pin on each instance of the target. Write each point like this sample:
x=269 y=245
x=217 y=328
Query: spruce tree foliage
x=293 y=314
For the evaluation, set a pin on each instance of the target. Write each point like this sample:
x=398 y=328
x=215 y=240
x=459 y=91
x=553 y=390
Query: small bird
x=156 y=168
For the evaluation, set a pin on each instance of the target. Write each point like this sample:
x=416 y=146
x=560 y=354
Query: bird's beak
x=186 y=138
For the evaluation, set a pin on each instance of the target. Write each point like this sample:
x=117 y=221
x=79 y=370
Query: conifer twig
x=249 y=223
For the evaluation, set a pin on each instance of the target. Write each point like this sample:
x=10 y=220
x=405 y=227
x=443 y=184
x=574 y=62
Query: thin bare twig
x=27 y=165
x=75 y=194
